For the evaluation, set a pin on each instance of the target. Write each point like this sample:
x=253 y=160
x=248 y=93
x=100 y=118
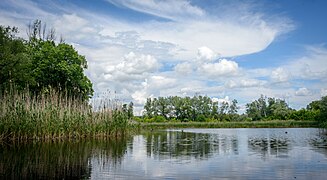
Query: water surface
x=281 y=153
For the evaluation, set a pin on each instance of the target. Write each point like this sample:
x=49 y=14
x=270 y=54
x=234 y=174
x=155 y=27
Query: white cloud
x=280 y=75
x=206 y=54
x=302 y=92
x=107 y=41
x=222 y=100
x=71 y=22
x=183 y=68
x=222 y=68
x=161 y=82
x=170 y=9
x=311 y=66
x=323 y=92
x=132 y=67
x=244 y=83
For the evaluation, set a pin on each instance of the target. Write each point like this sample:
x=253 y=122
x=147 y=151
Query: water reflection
x=57 y=160
x=319 y=142
x=175 y=154
x=179 y=144
x=270 y=146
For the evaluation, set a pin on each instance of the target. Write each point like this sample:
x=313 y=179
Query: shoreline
x=253 y=124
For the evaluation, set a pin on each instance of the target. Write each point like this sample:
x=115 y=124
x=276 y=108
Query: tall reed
x=53 y=115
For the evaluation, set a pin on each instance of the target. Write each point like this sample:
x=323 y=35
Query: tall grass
x=54 y=115
x=253 y=124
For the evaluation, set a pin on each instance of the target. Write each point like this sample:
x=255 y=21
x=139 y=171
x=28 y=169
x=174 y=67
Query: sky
x=225 y=49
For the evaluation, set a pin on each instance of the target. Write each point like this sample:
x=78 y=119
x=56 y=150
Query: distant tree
x=223 y=108
x=196 y=108
x=130 y=110
x=253 y=110
x=268 y=108
x=233 y=107
x=323 y=110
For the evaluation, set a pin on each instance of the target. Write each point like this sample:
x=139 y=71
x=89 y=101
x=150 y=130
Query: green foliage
x=268 y=108
x=60 y=66
x=305 y=114
x=15 y=62
x=322 y=118
x=239 y=124
x=128 y=109
x=40 y=64
x=196 y=108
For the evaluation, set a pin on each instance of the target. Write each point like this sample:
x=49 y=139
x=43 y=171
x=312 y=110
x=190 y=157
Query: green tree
x=60 y=67
x=40 y=63
x=233 y=107
x=323 y=111
x=15 y=63
x=268 y=108
x=148 y=108
x=162 y=107
x=280 y=110
x=130 y=110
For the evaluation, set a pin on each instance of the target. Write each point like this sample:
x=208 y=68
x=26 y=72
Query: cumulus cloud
x=161 y=82
x=206 y=54
x=302 y=92
x=280 y=75
x=132 y=67
x=222 y=68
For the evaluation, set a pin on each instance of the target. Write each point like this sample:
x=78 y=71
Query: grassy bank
x=253 y=124
x=53 y=115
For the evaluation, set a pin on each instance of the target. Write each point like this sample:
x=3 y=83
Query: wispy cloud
x=170 y=9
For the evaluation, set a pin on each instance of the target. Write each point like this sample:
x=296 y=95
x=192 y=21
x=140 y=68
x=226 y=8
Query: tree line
x=196 y=108
x=39 y=63
x=204 y=108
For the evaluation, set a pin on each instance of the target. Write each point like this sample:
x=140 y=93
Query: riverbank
x=252 y=124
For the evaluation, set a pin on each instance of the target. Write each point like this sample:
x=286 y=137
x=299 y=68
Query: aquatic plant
x=53 y=115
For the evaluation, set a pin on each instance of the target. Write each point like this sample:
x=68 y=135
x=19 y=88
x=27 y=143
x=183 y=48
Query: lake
x=279 y=153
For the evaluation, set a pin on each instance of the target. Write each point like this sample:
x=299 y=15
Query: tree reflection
x=178 y=144
x=57 y=160
x=267 y=146
x=319 y=142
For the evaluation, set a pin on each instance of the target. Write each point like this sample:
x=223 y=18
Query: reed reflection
x=58 y=160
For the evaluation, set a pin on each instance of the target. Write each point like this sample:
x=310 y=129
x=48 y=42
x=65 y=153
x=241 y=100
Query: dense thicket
x=40 y=63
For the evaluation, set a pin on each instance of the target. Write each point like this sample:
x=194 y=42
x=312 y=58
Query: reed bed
x=54 y=115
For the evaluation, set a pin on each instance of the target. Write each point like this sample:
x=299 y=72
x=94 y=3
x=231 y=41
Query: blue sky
x=224 y=49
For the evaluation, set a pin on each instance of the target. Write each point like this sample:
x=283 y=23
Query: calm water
x=297 y=153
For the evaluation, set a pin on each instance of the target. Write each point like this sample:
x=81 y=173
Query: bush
x=159 y=119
